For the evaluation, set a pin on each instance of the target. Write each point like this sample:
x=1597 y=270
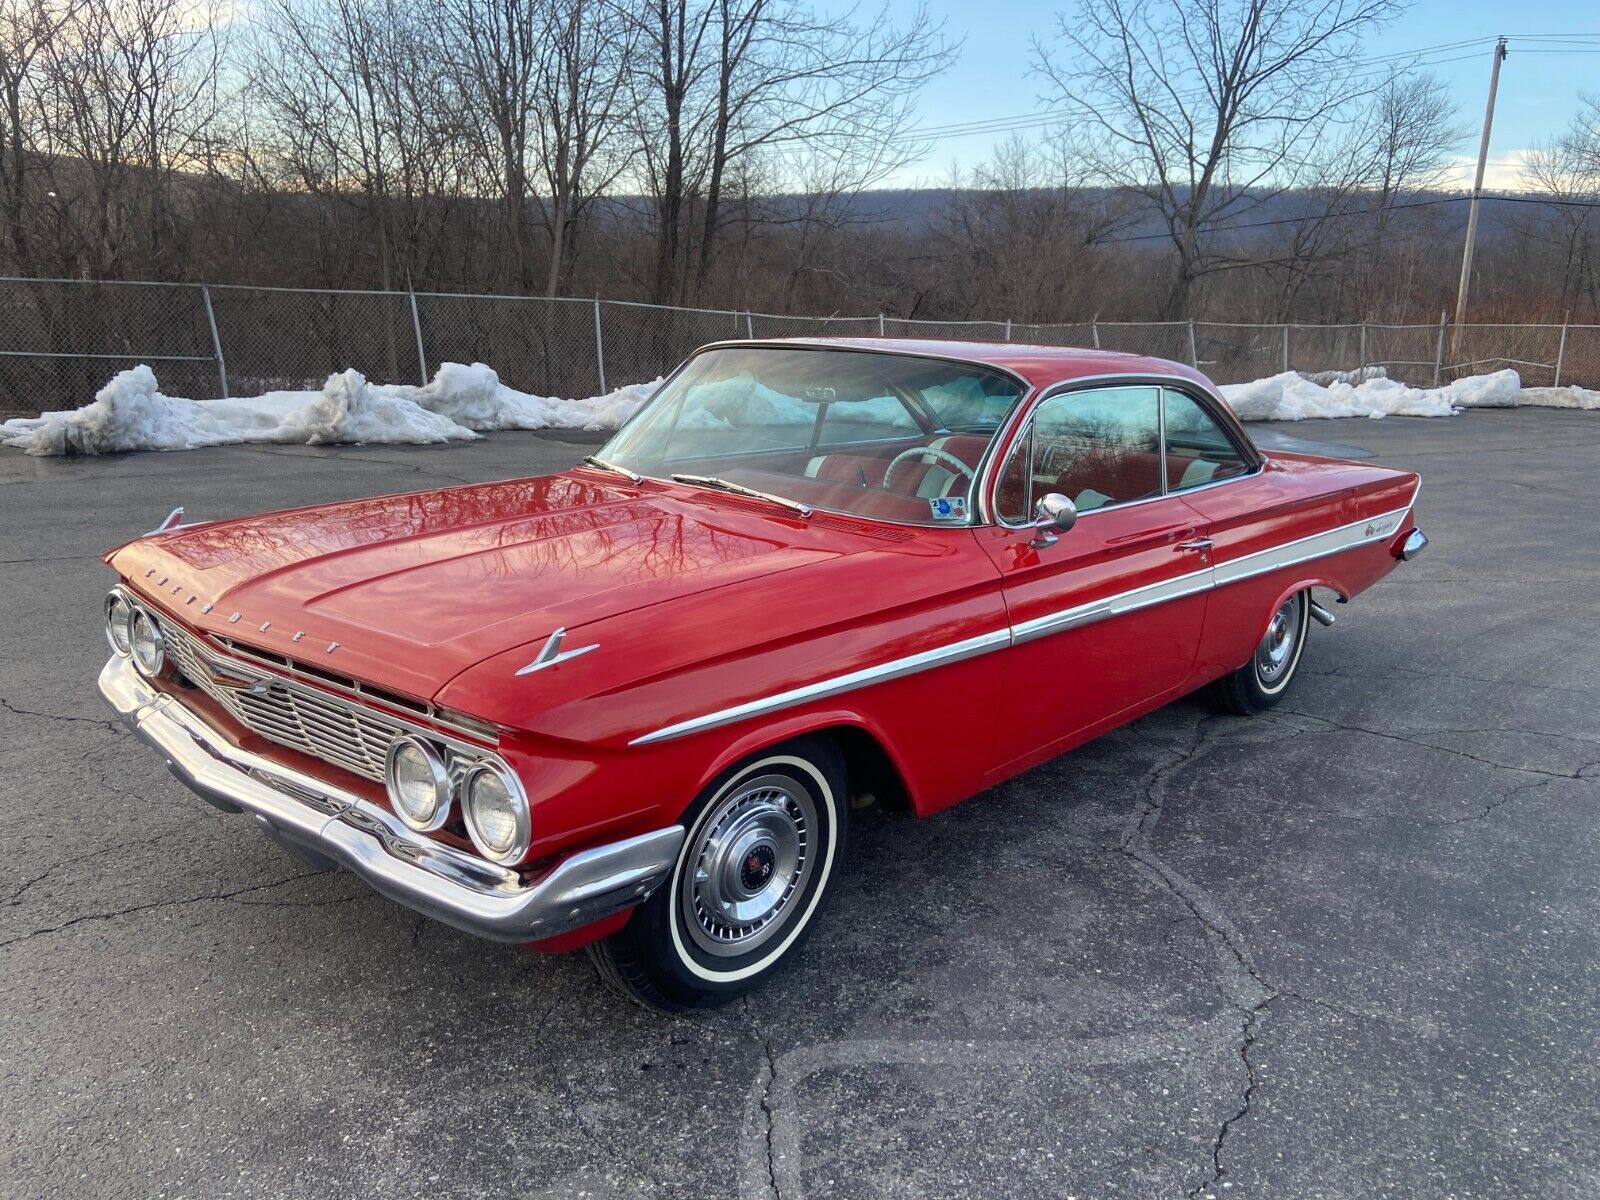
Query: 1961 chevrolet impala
x=630 y=706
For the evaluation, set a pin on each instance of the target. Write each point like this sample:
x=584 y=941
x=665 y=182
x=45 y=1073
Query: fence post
x=216 y=342
x=1362 y=365
x=1194 y=356
x=1008 y=329
x=1286 y=347
x=749 y=325
x=416 y=328
x=1561 y=347
x=1438 y=351
x=1094 y=330
x=599 y=348
x=880 y=324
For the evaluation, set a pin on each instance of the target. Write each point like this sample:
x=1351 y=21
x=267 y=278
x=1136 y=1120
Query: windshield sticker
x=949 y=508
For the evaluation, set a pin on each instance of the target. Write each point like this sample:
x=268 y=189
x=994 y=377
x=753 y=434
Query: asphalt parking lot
x=1349 y=949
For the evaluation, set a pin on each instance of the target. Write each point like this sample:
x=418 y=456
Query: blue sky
x=1539 y=92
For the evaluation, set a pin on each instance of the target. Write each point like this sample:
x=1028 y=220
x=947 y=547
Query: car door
x=1257 y=512
x=1107 y=615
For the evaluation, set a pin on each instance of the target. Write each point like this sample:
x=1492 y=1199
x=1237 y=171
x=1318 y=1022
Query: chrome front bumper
x=331 y=825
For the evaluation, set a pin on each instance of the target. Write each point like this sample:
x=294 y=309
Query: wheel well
x=872 y=772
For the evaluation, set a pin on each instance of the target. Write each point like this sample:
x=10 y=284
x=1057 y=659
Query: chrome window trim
x=1348 y=536
x=1253 y=457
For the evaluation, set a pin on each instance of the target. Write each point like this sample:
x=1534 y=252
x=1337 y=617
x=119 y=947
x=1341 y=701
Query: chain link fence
x=60 y=340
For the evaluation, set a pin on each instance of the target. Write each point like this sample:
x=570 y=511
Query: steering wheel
x=944 y=456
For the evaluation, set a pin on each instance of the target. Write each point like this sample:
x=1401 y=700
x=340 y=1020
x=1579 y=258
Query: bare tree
x=27 y=28
x=1568 y=169
x=586 y=111
x=731 y=80
x=1205 y=108
x=361 y=110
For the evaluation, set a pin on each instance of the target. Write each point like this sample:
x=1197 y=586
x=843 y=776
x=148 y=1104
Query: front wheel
x=1261 y=683
x=763 y=846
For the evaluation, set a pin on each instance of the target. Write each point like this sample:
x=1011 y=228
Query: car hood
x=408 y=591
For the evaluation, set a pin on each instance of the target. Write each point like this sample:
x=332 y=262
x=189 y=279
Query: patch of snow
x=1293 y=397
x=130 y=413
x=1561 y=397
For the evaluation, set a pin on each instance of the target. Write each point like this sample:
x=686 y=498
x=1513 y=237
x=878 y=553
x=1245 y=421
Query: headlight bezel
x=439 y=769
x=518 y=850
x=150 y=670
x=119 y=610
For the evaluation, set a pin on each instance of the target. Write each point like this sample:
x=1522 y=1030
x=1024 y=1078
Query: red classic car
x=630 y=706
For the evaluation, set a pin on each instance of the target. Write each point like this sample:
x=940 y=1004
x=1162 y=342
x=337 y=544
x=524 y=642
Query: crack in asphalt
x=1241 y=982
x=770 y=1078
x=1394 y=669
x=141 y=908
x=16 y=896
x=1414 y=739
x=103 y=722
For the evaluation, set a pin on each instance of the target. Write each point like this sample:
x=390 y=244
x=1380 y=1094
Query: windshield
x=878 y=435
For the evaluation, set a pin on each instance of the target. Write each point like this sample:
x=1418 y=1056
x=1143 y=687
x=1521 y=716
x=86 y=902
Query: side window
x=1097 y=447
x=1198 y=451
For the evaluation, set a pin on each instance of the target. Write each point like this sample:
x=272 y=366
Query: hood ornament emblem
x=551 y=654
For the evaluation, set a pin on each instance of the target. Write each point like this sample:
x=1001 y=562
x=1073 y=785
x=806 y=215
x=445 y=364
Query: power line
x=1040 y=118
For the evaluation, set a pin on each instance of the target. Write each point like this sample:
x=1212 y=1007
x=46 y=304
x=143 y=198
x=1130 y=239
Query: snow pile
x=1561 y=397
x=130 y=413
x=474 y=397
x=1294 y=397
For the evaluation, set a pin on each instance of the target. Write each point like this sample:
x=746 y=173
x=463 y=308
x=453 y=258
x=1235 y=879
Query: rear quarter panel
x=1293 y=496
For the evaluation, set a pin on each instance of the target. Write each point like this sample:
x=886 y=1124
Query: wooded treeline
x=725 y=152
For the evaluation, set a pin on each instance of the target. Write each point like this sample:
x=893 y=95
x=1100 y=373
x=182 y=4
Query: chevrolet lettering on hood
x=630 y=706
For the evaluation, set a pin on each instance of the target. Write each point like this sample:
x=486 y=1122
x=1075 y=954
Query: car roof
x=1040 y=366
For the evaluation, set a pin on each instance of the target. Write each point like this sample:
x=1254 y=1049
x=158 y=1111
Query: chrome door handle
x=1199 y=543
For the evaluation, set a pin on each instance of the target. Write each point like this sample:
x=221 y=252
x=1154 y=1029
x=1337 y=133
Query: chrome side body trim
x=1320 y=545
x=909 y=665
x=328 y=823
x=1113 y=606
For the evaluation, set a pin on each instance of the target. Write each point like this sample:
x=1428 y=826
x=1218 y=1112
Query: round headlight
x=119 y=617
x=146 y=644
x=496 y=812
x=418 y=783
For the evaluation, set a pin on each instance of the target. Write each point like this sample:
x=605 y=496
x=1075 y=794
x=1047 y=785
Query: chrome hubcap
x=747 y=865
x=1277 y=647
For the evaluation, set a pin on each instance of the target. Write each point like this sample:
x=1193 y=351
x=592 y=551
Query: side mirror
x=1053 y=515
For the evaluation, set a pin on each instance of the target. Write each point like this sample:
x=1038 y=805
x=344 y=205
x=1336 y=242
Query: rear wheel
x=762 y=849
x=1261 y=683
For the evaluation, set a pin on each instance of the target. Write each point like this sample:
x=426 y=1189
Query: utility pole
x=1477 y=196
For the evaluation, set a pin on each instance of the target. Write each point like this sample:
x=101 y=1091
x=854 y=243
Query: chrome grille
x=324 y=727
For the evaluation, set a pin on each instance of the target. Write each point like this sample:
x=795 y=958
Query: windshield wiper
x=739 y=489
x=594 y=460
